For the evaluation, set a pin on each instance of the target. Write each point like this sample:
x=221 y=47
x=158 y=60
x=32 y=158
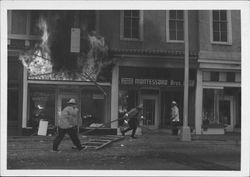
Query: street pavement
x=151 y=151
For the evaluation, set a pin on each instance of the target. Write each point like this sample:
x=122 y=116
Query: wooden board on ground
x=43 y=127
x=98 y=142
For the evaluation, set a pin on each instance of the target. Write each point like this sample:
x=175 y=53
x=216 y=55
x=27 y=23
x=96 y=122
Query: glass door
x=226 y=112
x=150 y=111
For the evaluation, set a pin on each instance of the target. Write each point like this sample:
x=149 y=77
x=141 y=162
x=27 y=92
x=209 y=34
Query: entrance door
x=226 y=112
x=62 y=100
x=150 y=111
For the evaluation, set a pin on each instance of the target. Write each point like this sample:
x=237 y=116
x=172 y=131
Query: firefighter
x=133 y=117
x=68 y=124
x=174 y=117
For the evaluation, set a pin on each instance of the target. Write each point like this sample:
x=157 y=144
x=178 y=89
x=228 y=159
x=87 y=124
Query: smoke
x=52 y=54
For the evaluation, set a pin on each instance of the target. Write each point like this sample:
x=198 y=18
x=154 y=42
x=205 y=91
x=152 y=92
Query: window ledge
x=221 y=43
x=24 y=37
x=131 y=39
x=175 y=41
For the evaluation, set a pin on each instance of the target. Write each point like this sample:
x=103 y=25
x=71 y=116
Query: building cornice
x=151 y=52
x=222 y=56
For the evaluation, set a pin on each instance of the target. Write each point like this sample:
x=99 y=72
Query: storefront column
x=198 y=103
x=114 y=96
x=25 y=98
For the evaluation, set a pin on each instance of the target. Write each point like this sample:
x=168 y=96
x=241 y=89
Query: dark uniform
x=133 y=117
x=175 y=118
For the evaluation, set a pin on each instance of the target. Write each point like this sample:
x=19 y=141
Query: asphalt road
x=151 y=151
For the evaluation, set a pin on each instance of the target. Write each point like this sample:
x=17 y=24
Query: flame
x=44 y=27
x=37 y=61
x=40 y=64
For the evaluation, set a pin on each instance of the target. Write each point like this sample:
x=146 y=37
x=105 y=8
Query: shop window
x=41 y=106
x=206 y=76
x=210 y=115
x=92 y=108
x=131 y=24
x=230 y=77
x=222 y=77
x=238 y=77
x=215 y=76
x=221 y=108
x=175 y=25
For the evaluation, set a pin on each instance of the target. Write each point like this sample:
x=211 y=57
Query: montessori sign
x=153 y=82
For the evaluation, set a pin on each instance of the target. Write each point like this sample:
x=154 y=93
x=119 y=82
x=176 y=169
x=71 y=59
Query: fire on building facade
x=110 y=66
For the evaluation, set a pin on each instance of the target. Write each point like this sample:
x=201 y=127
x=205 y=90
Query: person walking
x=133 y=117
x=174 y=117
x=68 y=124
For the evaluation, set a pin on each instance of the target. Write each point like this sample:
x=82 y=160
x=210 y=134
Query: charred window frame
x=88 y=20
x=131 y=25
x=22 y=24
x=175 y=25
x=221 y=28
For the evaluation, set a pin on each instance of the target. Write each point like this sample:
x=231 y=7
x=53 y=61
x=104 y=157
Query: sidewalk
x=151 y=151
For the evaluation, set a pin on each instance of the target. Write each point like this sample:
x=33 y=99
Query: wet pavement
x=151 y=151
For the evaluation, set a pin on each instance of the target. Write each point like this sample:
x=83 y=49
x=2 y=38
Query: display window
x=220 y=108
x=41 y=106
x=93 y=108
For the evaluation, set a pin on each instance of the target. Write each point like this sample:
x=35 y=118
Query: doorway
x=150 y=111
x=226 y=112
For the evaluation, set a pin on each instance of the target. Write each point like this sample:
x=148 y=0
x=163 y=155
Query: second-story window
x=22 y=22
x=88 y=20
x=221 y=26
x=34 y=20
x=175 y=25
x=131 y=24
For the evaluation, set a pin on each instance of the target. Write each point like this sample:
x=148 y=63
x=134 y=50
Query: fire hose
x=103 y=125
x=109 y=122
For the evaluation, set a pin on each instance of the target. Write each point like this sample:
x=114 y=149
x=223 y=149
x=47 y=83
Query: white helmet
x=174 y=102
x=72 y=101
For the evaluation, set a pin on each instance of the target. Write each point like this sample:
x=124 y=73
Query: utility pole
x=185 y=132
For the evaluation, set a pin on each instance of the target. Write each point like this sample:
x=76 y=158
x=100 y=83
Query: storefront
x=155 y=88
x=220 y=102
x=45 y=98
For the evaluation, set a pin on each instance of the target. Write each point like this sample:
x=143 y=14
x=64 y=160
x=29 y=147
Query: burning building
x=69 y=60
x=110 y=66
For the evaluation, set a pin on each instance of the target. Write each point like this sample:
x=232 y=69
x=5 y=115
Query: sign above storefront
x=153 y=82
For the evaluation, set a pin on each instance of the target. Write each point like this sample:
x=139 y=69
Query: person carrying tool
x=68 y=124
x=133 y=117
